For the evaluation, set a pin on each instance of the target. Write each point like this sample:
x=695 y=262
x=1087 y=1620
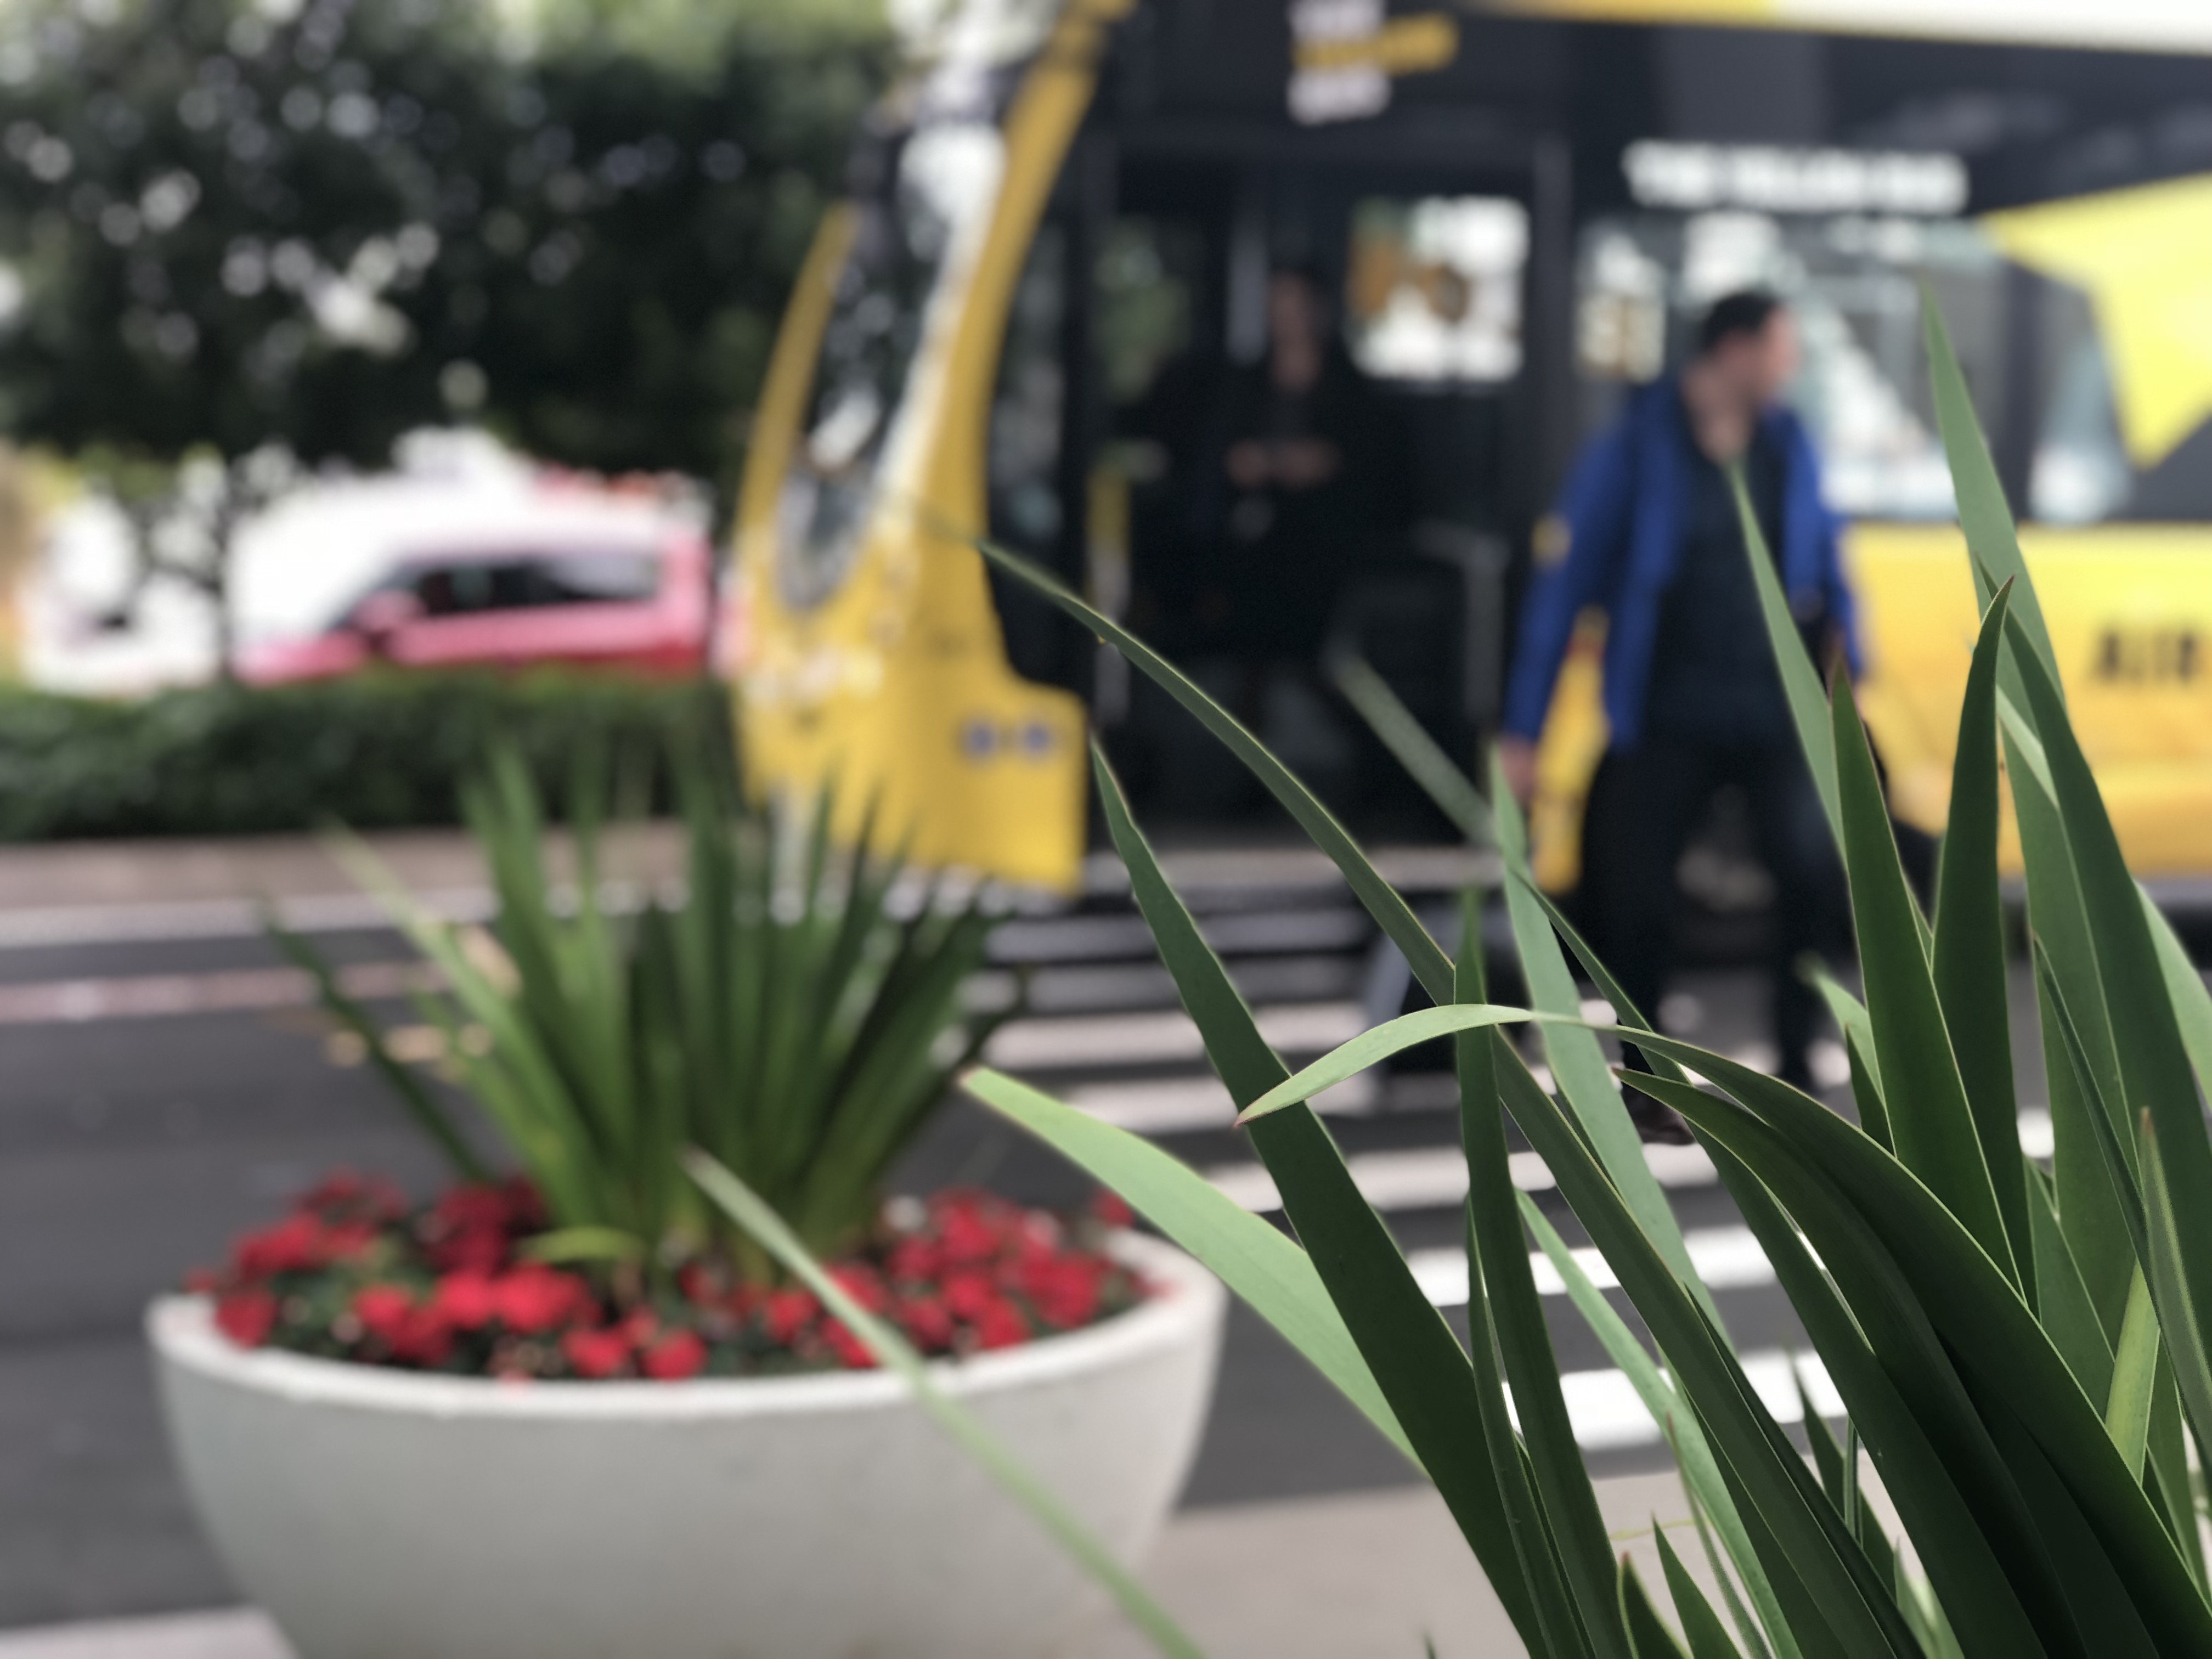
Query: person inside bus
x=1647 y=531
x=1299 y=498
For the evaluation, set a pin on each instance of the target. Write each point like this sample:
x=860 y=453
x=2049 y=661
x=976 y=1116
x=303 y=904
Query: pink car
x=640 y=607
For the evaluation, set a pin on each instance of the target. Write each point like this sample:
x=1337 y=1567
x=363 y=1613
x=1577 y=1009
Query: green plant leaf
x=1431 y=966
x=584 y=1244
x=1851 y=1018
x=1260 y=1264
x=1647 y=1635
x=1578 y=1064
x=2153 y=1063
x=2185 y=1337
x=2134 y=1374
x=1801 y=679
x=752 y=1213
x=1971 y=984
x=2193 y=999
x=1753 y=1642
x=1555 y=1500
x=1423 y=757
x=1701 y=1626
x=1934 y=1127
x=1890 y=1368
x=2063 y=1304
x=1693 y=1454
x=1846 y=1610
x=2000 y=1352
x=1983 y=514
x=1415 y=1359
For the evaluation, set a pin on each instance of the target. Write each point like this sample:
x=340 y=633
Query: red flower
x=785 y=1314
x=1001 y=1326
x=964 y=1231
x=914 y=1262
x=1064 y=1290
x=382 y=1310
x=851 y=1351
x=1111 y=1209
x=424 y=1338
x=968 y=1294
x=476 y=1250
x=595 y=1353
x=246 y=1317
x=927 y=1324
x=678 y=1355
x=859 y=1281
x=294 y=1245
x=343 y=1194
x=347 y=1240
x=467 y=1300
x=477 y=1206
x=533 y=1299
x=699 y=1284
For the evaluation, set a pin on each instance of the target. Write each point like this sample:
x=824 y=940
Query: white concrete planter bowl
x=383 y=1513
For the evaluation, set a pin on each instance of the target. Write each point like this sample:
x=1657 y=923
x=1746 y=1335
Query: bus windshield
x=926 y=183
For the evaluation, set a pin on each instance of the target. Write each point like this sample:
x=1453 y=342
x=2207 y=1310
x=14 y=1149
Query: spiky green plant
x=795 y=1010
x=2021 y=1352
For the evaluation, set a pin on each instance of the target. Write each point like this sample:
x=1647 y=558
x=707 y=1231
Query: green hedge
x=373 y=751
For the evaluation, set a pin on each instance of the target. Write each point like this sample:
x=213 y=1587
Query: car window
x=532 y=582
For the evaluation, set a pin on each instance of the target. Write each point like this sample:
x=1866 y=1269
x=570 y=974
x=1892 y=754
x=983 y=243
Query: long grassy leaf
x=1930 y=1117
x=1701 y=1626
x=2135 y=1377
x=1415 y=1359
x=1889 y=1363
x=1800 y=677
x=1971 y=983
x=2154 y=1066
x=1403 y=735
x=1754 y=1641
x=2185 y=1337
x=1693 y=1454
x=1502 y=1303
x=2001 y=1351
x=1648 y=1634
x=1853 y=1614
x=2063 y=1304
x=1431 y=966
x=1578 y=1064
x=2191 y=997
x=891 y=1351
x=1260 y=1264
x=1983 y=514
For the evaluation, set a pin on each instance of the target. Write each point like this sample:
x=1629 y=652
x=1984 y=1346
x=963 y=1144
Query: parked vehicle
x=580 y=598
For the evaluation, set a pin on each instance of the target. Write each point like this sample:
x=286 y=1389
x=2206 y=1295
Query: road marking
x=1179 y=1105
x=1433 y=1177
x=1063 y=1043
x=146 y=996
x=1607 y=1413
x=1726 y=1258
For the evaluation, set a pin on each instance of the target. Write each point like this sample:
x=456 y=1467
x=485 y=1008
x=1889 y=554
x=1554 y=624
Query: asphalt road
x=136 y=1143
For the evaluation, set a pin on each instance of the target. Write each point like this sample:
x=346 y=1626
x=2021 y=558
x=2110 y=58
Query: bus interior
x=1508 y=224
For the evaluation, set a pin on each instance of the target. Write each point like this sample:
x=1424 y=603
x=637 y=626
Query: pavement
x=167 y=1085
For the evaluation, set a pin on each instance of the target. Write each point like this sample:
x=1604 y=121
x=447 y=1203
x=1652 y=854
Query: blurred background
x=381 y=377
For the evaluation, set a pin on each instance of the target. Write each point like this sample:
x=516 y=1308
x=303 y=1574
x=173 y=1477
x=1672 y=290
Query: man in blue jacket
x=1647 y=531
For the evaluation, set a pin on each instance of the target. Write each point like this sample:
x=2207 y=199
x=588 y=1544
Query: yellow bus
x=1055 y=254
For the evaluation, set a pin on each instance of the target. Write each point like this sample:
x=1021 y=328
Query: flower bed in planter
x=353 y=1272
x=380 y=1512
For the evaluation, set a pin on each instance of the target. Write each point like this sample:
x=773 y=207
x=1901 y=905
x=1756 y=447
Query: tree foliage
x=225 y=226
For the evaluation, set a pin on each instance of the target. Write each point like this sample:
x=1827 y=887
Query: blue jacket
x=1624 y=518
